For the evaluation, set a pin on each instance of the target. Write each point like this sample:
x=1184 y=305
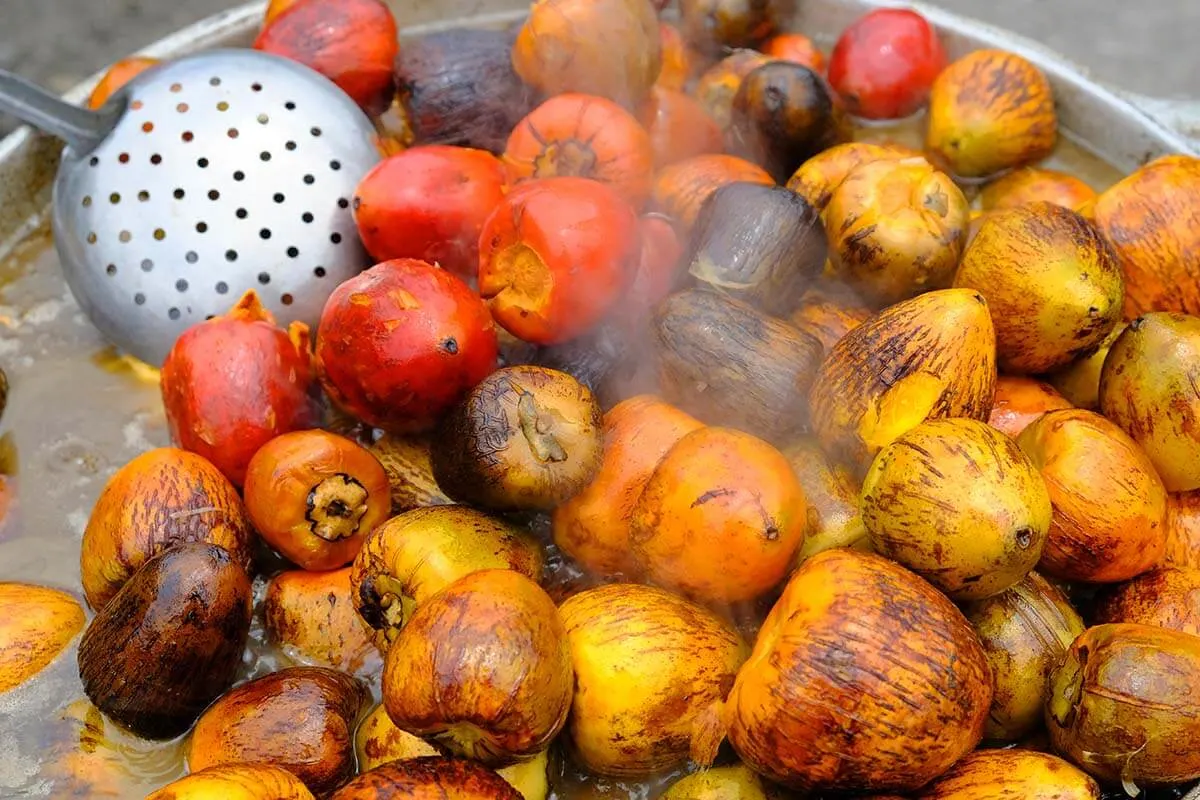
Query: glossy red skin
x=429 y=203
x=885 y=63
x=233 y=383
x=586 y=236
x=401 y=342
x=351 y=42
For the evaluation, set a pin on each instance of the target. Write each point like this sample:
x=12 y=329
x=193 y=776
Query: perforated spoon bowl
x=206 y=176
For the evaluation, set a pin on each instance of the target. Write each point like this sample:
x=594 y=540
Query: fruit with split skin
x=555 y=256
x=926 y=358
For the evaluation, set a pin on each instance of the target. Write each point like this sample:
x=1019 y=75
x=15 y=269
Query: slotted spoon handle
x=80 y=128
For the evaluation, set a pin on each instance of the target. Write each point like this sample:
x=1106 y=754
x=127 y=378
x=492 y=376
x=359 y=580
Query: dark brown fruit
x=783 y=115
x=170 y=641
x=760 y=244
x=725 y=362
x=716 y=25
x=459 y=88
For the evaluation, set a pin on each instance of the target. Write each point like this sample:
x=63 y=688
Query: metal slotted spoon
x=205 y=177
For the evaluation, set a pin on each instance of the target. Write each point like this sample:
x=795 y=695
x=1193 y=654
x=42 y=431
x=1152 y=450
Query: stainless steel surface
x=230 y=170
x=74 y=422
x=80 y=128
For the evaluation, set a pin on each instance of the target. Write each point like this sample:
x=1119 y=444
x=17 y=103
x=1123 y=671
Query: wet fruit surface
x=161 y=498
x=694 y=436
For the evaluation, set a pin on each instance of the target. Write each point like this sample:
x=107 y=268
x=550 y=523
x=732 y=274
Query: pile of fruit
x=676 y=443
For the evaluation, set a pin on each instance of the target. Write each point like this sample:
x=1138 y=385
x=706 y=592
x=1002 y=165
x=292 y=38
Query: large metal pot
x=74 y=417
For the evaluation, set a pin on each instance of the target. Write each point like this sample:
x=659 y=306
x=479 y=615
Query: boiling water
x=75 y=414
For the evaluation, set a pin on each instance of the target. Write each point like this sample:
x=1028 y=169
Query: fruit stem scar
x=335 y=507
x=565 y=157
x=538 y=429
x=385 y=606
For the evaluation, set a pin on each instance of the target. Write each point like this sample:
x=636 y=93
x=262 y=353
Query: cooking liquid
x=76 y=413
